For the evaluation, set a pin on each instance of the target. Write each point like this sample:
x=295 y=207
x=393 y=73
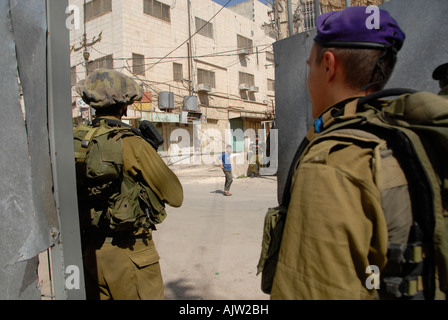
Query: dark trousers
x=229 y=180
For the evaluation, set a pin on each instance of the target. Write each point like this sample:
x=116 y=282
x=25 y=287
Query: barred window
x=206 y=77
x=178 y=74
x=96 y=8
x=245 y=44
x=246 y=78
x=204 y=28
x=138 y=64
x=106 y=62
x=157 y=9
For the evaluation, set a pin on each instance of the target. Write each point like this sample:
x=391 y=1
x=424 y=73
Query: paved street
x=210 y=246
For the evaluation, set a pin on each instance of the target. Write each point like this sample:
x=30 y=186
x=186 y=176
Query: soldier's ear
x=329 y=63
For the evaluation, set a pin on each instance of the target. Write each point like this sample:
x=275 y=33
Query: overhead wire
x=189 y=38
x=174 y=59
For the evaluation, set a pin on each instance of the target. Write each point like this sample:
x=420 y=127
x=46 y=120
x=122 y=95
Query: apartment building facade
x=204 y=68
x=303 y=14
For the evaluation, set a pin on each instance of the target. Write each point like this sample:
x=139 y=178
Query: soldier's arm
x=140 y=159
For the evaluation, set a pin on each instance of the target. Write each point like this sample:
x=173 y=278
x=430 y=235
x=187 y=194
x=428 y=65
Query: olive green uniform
x=122 y=265
x=337 y=224
x=128 y=269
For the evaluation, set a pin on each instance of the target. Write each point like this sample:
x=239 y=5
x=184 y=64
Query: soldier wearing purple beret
x=342 y=213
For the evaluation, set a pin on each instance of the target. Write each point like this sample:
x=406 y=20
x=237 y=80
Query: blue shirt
x=225 y=158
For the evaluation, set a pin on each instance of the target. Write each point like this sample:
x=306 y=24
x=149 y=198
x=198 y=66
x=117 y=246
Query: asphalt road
x=210 y=246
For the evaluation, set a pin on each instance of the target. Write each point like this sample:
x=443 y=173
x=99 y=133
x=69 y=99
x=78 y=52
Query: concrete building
x=303 y=13
x=204 y=68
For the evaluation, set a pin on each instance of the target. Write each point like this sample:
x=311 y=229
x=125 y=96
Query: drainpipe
x=290 y=24
x=316 y=8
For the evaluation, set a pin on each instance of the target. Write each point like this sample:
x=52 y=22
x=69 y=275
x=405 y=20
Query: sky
x=223 y=2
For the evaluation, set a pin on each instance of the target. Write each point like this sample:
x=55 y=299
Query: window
x=246 y=78
x=206 y=77
x=138 y=64
x=204 y=28
x=271 y=85
x=178 y=73
x=96 y=8
x=157 y=9
x=309 y=16
x=269 y=56
x=106 y=62
x=73 y=77
x=245 y=45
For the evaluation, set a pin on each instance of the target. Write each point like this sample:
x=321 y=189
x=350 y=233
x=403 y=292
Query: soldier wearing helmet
x=341 y=214
x=123 y=186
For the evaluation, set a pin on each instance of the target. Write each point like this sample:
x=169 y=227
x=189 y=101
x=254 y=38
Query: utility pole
x=190 y=53
x=84 y=45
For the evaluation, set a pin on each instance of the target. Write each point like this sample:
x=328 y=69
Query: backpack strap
x=383 y=94
x=117 y=123
x=86 y=143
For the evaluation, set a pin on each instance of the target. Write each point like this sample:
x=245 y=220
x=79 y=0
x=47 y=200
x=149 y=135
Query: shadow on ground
x=181 y=290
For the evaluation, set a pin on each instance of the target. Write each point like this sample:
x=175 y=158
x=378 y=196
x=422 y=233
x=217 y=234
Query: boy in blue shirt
x=224 y=163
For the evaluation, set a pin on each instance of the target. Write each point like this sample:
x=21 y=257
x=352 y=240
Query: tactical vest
x=108 y=198
x=415 y=127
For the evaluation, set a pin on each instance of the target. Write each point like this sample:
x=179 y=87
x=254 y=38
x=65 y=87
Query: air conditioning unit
x=166 y=100
x=191 y=103
x=202 y=87
x=254 y=89
x=244 y=51
x=244 y=86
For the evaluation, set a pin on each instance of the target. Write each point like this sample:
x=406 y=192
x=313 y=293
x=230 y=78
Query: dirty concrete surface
x=210 y=246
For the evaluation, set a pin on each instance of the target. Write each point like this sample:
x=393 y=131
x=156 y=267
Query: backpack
x=415 y=126
x=108 y=198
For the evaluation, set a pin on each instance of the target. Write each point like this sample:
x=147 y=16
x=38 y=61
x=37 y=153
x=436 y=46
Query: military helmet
x=104 y=88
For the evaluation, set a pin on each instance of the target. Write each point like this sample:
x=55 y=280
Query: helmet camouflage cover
x=104 y=88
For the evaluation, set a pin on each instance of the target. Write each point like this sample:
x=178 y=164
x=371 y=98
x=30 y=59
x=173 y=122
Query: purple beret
x=353 y=28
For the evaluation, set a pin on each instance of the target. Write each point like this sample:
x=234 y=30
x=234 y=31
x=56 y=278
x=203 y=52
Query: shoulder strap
x=383 y=94
x=118 y=123
x=295 y=162
x=86 y=143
